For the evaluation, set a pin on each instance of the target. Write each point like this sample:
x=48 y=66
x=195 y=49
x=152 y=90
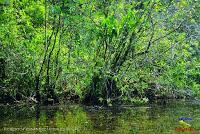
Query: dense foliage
x=99 y=51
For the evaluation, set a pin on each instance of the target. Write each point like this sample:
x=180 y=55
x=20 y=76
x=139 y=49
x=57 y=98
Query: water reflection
x=153 y=119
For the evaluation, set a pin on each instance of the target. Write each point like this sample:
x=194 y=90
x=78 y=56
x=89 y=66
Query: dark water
x=151 y=119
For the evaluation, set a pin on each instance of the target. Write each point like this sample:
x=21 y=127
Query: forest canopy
x=99 y=51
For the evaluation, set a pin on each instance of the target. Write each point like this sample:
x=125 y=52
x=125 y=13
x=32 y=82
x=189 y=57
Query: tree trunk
x=2 y=69
x=101 y=90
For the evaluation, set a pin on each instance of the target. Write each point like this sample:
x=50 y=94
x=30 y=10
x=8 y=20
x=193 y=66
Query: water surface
x=72 y=119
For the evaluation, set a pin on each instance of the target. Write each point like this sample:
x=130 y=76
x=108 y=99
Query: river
x=80 y=119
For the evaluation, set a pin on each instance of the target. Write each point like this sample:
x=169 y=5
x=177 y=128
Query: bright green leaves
x=36 y=12
x=182 y=3
x=55 y=9
x=131 y=18
x=5 y=2
x=103 y=38
x=110 y=23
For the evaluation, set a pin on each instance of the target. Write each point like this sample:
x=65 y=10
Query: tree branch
x=161 y=37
